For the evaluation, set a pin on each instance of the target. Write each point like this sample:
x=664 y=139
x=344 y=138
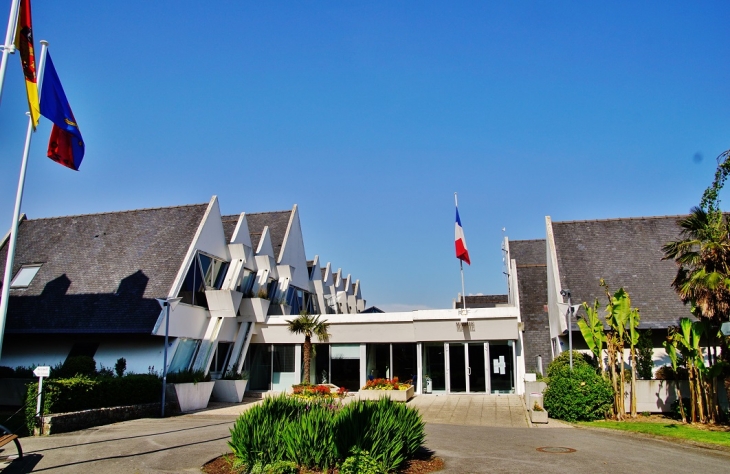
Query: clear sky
x=370 y=115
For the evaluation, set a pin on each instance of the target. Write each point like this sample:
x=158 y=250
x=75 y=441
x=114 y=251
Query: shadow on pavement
x=23 y=465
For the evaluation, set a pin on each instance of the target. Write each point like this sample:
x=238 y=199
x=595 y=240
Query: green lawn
x=670 y=430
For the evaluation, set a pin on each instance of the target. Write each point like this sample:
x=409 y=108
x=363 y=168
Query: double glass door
x=480 y=367
x=468 y=367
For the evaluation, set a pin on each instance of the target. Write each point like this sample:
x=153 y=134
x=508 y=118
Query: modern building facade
x=88 y=285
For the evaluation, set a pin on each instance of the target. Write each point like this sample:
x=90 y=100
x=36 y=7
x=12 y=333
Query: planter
x=395 y=395
x=256 y=307
x=230 y=391
x=190 y=396
x=539 y=416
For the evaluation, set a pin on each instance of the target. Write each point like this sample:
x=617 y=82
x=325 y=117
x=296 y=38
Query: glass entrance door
x=467 y=367
x=501 y=363
x=476 y=368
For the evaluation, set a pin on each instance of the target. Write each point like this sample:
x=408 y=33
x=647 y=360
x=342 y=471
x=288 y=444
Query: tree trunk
x=679 y=397
x=633 y=382
x=622 y=382
x=307 y=352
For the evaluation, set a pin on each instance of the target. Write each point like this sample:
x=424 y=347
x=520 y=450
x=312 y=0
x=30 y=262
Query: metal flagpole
x=9 y=46
x=461 y=265
x=16 y=213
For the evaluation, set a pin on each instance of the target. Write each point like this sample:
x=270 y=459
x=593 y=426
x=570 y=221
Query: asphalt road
x=184 y=443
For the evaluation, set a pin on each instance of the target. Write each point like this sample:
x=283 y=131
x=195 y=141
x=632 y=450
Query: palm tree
x=309 y=326
x=703 y=257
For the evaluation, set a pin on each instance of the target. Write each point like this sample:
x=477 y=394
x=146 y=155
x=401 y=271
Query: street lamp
x=166 y=303
x=565 y=293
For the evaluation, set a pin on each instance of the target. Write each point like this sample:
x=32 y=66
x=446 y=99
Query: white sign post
x=40 y=372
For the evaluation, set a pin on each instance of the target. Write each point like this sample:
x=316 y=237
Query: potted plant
x=390 y=388
x=231 y=387
x=538 y=414
x=257 y=307
x=190 y=388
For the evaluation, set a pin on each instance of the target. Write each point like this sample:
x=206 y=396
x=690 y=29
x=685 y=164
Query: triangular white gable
x=292 y=251
x=212 y=239
x=240 y=234
x=265 y=247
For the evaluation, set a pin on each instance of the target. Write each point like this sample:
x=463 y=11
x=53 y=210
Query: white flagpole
x=16 y=213
x=461 y=264
x=9 y=46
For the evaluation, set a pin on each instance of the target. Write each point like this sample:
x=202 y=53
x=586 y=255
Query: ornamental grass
x=321 y=435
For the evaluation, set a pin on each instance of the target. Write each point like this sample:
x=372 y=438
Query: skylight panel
x=24 y=276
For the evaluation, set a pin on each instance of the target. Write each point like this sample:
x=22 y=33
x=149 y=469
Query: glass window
x=434 y=367
x=378 y=361
x=183 y=355
x=320 y=368
x=405 y=365
x=220 y=358
x=24 y=276
x=258 y=364
x=345 y=366
x=249 y=278
x=284 y=358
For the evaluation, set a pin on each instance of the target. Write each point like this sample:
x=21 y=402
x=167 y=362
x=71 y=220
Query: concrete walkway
x=472 y=410
x=185 y=443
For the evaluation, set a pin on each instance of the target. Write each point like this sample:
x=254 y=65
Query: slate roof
x=626 y=253
x=229 y=225
x=482 y=301
x=277 y=221
x=530 y=258
x=100 y=273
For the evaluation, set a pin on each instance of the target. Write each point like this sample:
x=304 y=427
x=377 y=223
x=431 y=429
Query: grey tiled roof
x=100 y=273
x=482 y=301
x=530 y=257
x=277 y=222
x=626 y=253
x=229 y=225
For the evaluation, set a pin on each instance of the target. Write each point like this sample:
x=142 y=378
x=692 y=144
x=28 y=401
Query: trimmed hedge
x=319 y=435
x=84 y=393
x=580 y=359
x=580 y=395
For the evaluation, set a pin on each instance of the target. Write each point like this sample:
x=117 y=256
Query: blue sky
x=370 y=115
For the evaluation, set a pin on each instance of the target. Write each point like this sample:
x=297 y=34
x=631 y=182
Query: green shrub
x=580 y=359
x=84 y=393
x=389 y=431
x=255 y=436
x=580 y=395
x=73 y=366
x=360 y=463
x=120 y=367
x=645 y=356
x=188 y=376
x=319 y=435
x=674 y=408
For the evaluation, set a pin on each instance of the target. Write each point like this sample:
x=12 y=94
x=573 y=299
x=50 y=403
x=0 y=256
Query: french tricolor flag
x=461 y=252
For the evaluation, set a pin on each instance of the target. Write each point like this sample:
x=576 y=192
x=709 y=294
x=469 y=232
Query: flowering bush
x=387 y=384
x=317 y=392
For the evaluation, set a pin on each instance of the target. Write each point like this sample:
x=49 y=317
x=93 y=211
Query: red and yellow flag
x=24 y=43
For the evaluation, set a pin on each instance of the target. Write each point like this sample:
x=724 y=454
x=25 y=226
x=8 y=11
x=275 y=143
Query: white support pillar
x=419 y=368
x=363 y=365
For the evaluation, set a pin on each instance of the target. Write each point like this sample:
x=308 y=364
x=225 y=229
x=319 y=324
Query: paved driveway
x=472 y=410
x=184 y=443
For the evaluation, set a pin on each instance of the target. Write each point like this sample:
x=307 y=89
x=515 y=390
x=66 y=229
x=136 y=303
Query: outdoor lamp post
x=166 y=303
x=569 y=314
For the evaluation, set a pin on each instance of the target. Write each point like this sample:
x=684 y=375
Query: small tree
x=309 y=326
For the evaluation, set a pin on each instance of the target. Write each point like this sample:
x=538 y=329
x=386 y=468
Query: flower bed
x=387 y=388
x=308 y=392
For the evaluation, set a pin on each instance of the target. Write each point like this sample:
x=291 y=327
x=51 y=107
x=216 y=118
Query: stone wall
x=79 y=420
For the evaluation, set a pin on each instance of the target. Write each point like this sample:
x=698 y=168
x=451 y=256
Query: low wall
x=79 y=420
x=13 y=391
x=654 y=396
x=657 y=396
